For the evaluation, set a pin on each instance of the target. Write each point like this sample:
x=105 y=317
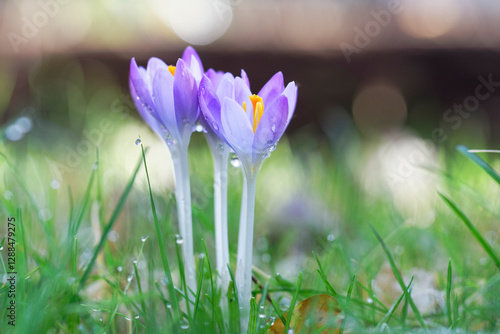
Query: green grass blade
x=472 y=229
x=252 y=324
x=324 y=278
x=161 y=246
x=448 y=294
x=348 y=300
x=399 y=278
x=294 y=301
x=278 y=311
x=198 y=292
x=182 y=274
x=109 y=226
x=393 y=308
x=480 y=162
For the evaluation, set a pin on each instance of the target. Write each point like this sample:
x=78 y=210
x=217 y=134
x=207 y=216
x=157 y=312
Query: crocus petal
x=226 y=87
x=271 y=125
x=185 y=96
x=237 y=129
x=242 y=94
x=291 y=94
x=194 y=62
x=244 y=76
x=215 y=77
x=210 y=107
x=163 y=92
x=142 y=95
x=154 y=64
x=272 y=89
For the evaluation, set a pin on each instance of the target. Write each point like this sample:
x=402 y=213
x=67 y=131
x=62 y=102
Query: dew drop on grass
x=129 y=277
x=100 y=319
x=235 y=162
x=178 y=239
x=202 y=256
x=262 y=316
x=144 y=238
x=136 y=316
x=290 y=331
x=113 y=236
x=54 y=184
x=284 y=304
x=95 y=166
x=134 y=261
x=184 y=324
x=330 y=237
x=138 y=141
x=1 y=248
x=369 y=300
x=272 y=320
x=119 y=269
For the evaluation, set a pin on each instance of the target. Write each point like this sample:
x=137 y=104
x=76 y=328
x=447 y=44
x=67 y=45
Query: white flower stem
x=183 y=197
x=245 y=248
x=221 y=157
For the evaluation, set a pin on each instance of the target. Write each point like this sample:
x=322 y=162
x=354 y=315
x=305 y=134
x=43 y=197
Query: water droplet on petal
x=199 y=128
x=178 y=239
x=138 y=141
x=272 y=148
x=215 y=126
x=273 y=128
x=144 y=238
x=235 y=161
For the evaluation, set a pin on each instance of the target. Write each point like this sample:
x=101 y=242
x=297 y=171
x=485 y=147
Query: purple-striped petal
x=291 y=94
x=210 y=107
x=185 y=96
x=272 y=89
x=215 y=77
x=226 y=87
x=242 y=94
x=237 y=129
x=154 y=64
x=163 y=92
x=194 y=62
x=244 y=76
x=142 y=96
x=271 y=125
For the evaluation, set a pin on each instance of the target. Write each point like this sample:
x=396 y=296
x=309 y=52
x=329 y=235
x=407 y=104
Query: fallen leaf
x=309 y=315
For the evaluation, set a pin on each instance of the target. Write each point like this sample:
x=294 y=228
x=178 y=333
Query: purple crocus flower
x=166 y=96
x=167 y=99
x=251 y=124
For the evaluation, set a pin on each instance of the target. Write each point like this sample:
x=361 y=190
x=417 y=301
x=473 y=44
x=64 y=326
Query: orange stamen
x=171 y=69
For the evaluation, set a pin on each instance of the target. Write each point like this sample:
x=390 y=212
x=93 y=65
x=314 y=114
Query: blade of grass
x=182 y=274
x=252 y=324
x=348 y=300
x=109 y=226
x=234 y=310
x=400 y=279
x=278 y=311
x=448 y=294
x=472 y=229
x=212 y=289
x=294 y=301
x=161 y=246
x=480 y=162
x=393 y=308
x=323 y=277
x=198 y=292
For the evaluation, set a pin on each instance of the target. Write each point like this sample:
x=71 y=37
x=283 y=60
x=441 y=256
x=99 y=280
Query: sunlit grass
x=96 y=256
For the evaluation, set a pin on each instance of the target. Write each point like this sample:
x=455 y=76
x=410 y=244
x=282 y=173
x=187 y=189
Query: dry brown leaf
x=316 y=309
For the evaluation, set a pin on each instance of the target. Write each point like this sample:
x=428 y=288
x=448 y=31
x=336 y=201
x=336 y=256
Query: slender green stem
x=183 y=197
x=245 y=248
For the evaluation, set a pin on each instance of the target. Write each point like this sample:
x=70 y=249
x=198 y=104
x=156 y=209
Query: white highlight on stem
x=221 y=156
x=179 y=155
x=245 y=246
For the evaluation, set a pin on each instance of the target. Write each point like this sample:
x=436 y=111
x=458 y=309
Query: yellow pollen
x=258 y=110
x=171 y=69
